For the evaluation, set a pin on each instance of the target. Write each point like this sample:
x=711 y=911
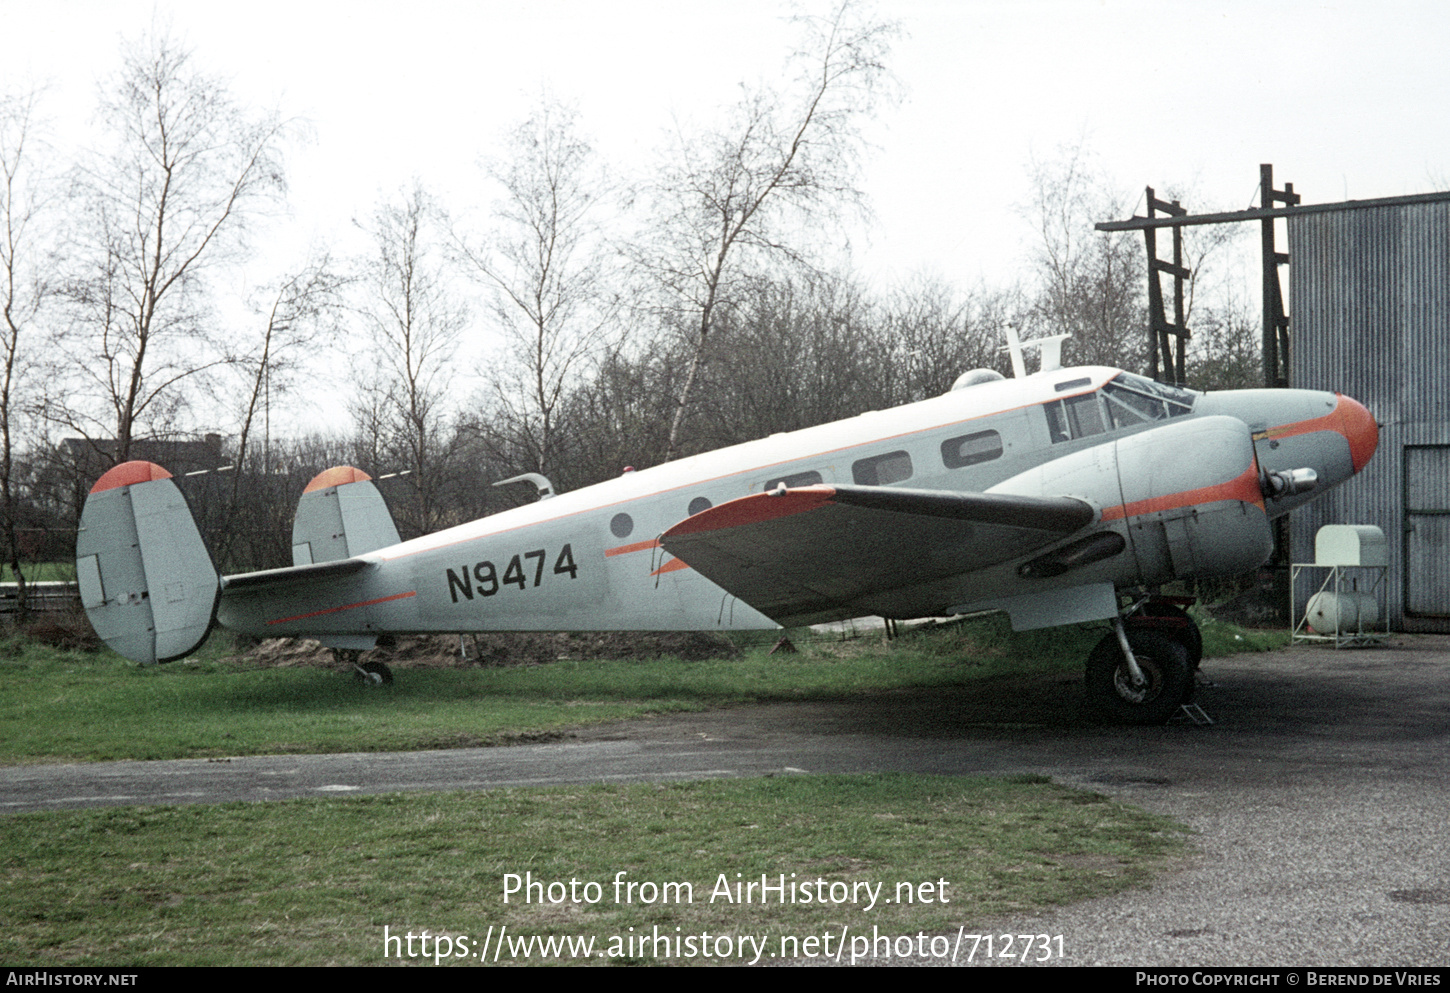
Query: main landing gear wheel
x=376 y=673
x=1167 y=678
x=1185 y=631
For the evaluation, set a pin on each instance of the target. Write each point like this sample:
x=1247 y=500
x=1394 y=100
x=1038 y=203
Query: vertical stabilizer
x=146 y=579
x=341 y=514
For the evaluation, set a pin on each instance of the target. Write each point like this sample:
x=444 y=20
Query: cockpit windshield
x=1136 y=399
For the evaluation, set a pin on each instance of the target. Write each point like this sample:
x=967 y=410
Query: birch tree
x=550 y=274
x=733 y=197
x=1091 y=285
x=294 y=313
x=414 y=323
x=25 y=290
x=169 y=198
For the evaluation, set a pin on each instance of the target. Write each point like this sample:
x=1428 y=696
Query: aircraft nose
x=1359 y=428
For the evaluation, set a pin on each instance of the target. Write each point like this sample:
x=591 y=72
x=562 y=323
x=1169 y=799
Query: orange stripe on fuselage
x=1329 y=422
x=1245 y=487
x=673 y=565
x=350 y=606
x=638 y=546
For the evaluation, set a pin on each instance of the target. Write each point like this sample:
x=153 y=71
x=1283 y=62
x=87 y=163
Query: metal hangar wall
x=1369 y=300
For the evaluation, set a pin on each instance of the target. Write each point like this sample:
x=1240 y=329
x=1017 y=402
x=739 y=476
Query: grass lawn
x=40 y=572
x=316 y=882
x=96 y=706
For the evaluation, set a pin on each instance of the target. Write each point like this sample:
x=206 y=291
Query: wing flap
x=805 y=552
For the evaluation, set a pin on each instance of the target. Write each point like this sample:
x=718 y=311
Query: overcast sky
x=1346 y=99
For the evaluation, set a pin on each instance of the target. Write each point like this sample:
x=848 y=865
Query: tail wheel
x=376 y=673
x=1167 y=678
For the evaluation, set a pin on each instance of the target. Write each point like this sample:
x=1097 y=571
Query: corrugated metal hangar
x=1369 y=303
x=1369 y=298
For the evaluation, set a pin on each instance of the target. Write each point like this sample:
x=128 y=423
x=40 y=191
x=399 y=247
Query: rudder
x=341 y=514
x=147 y=581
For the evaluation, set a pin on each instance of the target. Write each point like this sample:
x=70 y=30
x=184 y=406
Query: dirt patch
x=495 y=650
x=67 y=630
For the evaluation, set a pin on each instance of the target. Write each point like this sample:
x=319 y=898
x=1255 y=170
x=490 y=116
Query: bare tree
x=1228 y=346
x=185 y=172
x=791 y=352
x=296 y=314
x=414 y=323
x=735 y=195
x=938 y=332
x=1091 y=285
x=620 y=416
x=550 y=271
x=24 y=292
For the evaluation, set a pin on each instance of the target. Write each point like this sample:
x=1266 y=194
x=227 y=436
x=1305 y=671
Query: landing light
x=1289 y=483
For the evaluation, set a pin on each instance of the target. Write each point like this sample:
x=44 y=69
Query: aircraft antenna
x=1049 y=349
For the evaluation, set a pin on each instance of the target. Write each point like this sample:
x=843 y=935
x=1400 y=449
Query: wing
x=821 y=551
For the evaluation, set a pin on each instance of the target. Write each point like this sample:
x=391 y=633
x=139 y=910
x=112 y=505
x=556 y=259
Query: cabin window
x=699 y=504
x=622 y=525
x=811 y=478
x=882 y=470
x=984 y=446
x=1074 y=417
x=1072 y=384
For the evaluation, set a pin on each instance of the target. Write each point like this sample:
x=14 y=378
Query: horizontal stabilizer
x=147 y=581
x=804 y=553
x=341 y=515
x=269 y=578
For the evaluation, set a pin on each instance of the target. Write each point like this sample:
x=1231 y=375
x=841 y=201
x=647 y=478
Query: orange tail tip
x=129 y=474
x=338 y=475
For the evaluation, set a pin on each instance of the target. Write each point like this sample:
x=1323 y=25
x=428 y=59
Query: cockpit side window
x=1074 y=417
x=1127 y=408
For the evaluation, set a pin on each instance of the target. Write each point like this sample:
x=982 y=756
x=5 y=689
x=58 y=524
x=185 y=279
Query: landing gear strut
x=376 y=673
x=372 y=672
x=1138 y=675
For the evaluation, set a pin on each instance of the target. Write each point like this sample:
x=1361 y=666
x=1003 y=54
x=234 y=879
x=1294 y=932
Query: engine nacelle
x=1192 y=500
x=1185 y=496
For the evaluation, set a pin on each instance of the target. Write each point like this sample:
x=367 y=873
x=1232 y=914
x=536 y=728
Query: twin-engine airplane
x=1060 y=497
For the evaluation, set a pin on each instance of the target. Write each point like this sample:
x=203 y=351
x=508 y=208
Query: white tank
x=1341 y=613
